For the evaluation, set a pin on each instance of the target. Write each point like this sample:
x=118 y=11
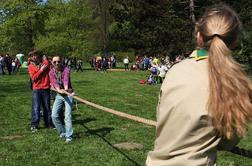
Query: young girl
x=205 y=101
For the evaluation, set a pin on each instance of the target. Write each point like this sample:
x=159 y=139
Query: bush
x=121 y=55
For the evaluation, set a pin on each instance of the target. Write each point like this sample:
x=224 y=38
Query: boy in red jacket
x=39 y=74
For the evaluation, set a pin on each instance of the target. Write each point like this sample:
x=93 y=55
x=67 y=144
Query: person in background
x=126 y=63
x=39 y=75
x=154 y=72
x=105 y=64
x=162 y=72
x=79 y=65
x=207 y=96
x=60 y=81
x=2 y=64
x=13 y=66
x=20 y=57
x=146 y=62
x=113 y=61
x=18 y=65
x=8 y=62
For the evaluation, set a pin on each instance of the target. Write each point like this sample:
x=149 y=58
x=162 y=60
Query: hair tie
x=216 y=35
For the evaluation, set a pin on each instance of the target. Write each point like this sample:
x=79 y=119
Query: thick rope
x=118 y=113
x=235 y=150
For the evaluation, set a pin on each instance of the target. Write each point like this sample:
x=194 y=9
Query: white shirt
x=13 y=64
x=162 y=70
x=125 y=60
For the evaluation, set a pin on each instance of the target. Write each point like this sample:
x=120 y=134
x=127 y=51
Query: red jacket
x=40 y=79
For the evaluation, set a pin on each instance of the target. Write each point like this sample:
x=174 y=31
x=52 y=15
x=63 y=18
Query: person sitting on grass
x=154 y=72
x=60 y=80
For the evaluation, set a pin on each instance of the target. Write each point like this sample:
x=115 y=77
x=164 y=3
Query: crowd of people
x=10 y=64
x=75 y=64
x=102 y=63
x=157 y=65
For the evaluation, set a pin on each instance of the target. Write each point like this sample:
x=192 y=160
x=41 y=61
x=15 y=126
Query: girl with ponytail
x=205 y=102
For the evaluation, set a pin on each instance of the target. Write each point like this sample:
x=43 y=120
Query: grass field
x=96 y=132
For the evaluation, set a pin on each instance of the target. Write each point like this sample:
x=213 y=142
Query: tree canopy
x=80 y=27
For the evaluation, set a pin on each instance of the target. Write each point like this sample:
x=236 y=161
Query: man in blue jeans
x=39 y=74
x=60 y=80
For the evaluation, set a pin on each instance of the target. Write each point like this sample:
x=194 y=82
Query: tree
x=102 y=15
x=21 y=23
x=155 y=26
x=69 y=29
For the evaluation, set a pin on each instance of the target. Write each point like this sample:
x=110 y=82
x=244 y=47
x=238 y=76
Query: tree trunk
x=30 y=34
x=192 y=11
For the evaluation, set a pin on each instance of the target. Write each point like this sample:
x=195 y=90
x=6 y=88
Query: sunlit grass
x=95 y=131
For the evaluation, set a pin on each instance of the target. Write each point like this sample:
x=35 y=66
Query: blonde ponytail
x=229 y=101
x=230 y=91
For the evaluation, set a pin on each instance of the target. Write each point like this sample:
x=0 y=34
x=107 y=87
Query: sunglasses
x=54 y=62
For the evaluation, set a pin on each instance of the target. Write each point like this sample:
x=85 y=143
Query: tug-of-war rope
x=118 y=113
x=235 y=150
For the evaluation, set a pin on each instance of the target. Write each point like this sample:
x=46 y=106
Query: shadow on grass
x=82 y=121
x=101 y=133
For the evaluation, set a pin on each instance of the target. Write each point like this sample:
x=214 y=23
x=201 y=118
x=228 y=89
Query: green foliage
x=21 y=23
x=69 y=29
x=83 y=27
x=153 y=26
x=121 y=55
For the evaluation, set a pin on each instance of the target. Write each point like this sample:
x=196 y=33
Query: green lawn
x=96 y=132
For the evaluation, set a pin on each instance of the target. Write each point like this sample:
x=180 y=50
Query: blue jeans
x=66 y=129
x=41 y=97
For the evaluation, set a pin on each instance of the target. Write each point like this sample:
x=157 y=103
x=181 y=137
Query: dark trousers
x=41 y=97
x=126 y=66
x=9 y=69
x=79 y=68
x=2 y=70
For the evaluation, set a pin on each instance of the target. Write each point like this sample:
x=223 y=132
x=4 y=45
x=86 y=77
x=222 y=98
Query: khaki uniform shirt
x=184 y=133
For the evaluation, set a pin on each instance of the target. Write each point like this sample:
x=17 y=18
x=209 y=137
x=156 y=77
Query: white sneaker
x=34 y=129
x=68 y=140
x=62 y=135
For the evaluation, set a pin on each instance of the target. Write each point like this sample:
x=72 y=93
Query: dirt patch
x=11 y=137
x=139 y=95
x=129 y=104
x=128 y=145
